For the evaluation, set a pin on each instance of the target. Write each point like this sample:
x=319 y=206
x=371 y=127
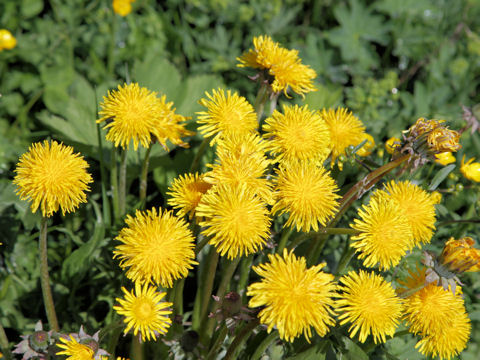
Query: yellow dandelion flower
x=438 y=316
x=131 y=113
x=122 y=7
x=241 y=160
x=385 y=234
x=227 y=114
x=450 y=341
x=370 y=304
x=74 y=350
x=345 y=130
x=296 y=298
x=297 y=134
x=442 y=139
x=156 y=247
x=186 y=192
x=50 y=175
x=284 y=65
x=436 y=197
x=7 y=40
x=170 y=126
x=236 y=220
x=417 y=205
x=392 y=144
x=445 y=158
x=470 y=170
x=460 y=255
x=307 y=193
x=144 y=311
x=368 y=147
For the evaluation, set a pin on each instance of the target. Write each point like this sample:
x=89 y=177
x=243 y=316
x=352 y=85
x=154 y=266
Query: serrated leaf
x=440 y=176
x=354 y=352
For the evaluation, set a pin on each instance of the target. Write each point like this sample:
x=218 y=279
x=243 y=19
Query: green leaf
x=354 y=352
x=440 y=176
x=313 y=353
x=30 y=8
x=325 y=97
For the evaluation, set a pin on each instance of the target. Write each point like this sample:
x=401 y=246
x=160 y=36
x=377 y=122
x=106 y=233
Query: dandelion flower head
x=227 y=114
x=144 y=311
x=385 y=233
x=295 y=298
x=50 y=175
x=392 y=144
x=7 y=40
x=369 y=145
x=122 y=7
x=282 y=64
x=74 y=350
x=470 y=170
x=132 y=114
x=416 y=204
x=445 y=158
x=241 y=160
x=297 y=134
x=235 y=218
x=186 y=192
x=155 y=247
x=345 y=130
x=370 y=304
x=307 y=193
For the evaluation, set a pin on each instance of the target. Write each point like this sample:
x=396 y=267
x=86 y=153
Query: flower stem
x=283 y=239
x=264 y=345
x=178 y=300
x=143 y=178
x=240 y=338
x=363 y=186
x=111 y=45
x=347 y=255
x=136 y=350
x=320 y=237
x=212 y=354
x=45 y=279
x=114 y=184
x=122 y=185
x=196 y=160
x=261 y=98
x=205 y=285
x=103 y=176
x=4 y=344
x=410 y=292
x=228 y=272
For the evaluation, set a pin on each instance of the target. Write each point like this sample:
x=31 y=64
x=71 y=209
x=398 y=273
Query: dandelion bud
x=460 y=256
x=39 y=341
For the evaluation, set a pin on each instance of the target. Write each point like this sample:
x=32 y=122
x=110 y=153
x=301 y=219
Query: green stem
x=347 y=255
x=316 y=248
x=264 y=345
x=45 y=278
x=136 y=350
x=114 y=184
x=143 y=178
x=205 y=285
x=122 y=183
x=103 y=177
x=241 y=337
x=111 y=47
x=178 y=301
x=4 y=344
x=245 y=266
x=273 y=103
x=201 y=245
x=212 y=354
x=227 y=275
x=201 y=150
x=261 y=98
x=283 y=239
x=364 y=185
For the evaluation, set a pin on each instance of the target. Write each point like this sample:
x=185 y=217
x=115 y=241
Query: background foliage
x=389 y=61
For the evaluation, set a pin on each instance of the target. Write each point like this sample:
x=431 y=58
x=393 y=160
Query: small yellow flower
x=370 y=304
x=460 y=255
x=385 y=234
x=227 y=114
x=284 y=65
x=392 y=144
x=307 y=193
x=50 y=175
x=445 y=158
x=74 y=350
x=436 y=197
x=156 y=247
x=442 y=139
x=345 y=130
x=295 y=298
x=144 y=311
x=438 y=316
x=297 y=134
x=470 y=169
x=186 y=192
x=236 y=220
x=416 y=204
x=7 y=40
x=122 y=7
x=241 y=160
x=368 y=147
x=132 y=113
